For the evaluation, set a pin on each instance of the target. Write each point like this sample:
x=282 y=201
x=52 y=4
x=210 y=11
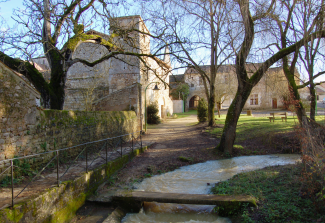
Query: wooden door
x=274 y=103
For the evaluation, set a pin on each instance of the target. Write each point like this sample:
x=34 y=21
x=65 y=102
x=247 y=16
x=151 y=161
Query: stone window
x=254 y=99
x=192 y=85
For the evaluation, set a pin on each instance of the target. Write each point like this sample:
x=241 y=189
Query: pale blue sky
x=6 y=10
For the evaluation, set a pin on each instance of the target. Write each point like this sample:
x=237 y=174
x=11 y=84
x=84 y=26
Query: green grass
x=186 y=114
x=277 y=190
x=249 y=127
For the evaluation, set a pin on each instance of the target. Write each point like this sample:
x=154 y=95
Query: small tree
x=182 y=91
x=202 y=111
x=152 y=114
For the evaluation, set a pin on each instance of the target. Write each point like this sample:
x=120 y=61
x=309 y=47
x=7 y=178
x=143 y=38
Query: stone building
x=267 y=94
x=320 y=90
x=119 y=83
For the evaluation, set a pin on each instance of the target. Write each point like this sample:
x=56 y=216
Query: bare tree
x=292 y=26
x=58 y=26
x=311 y=54
x=3 y=27
x=253 y=25
x=194 y=28
x=226 y=85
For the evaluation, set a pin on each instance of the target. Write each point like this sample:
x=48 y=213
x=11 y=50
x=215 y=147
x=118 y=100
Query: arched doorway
x=194 y=102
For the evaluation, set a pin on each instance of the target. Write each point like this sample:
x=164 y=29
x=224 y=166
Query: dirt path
x=172 y=139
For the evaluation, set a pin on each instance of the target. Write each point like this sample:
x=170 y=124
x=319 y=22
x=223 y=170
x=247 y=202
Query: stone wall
x=27 y=129
x=85 y=84
x=128 y=98
x=59 y=204
x=120 y=100
x=18 y=111
x=53 y=129
x=178 y=106
x=267 y=94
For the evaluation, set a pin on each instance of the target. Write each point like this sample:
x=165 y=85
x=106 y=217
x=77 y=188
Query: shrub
x=152 y=114
x=202 y=111
x=313 y=157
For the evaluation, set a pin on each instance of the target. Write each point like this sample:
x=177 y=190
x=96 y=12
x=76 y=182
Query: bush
x=152 y=114
x=202 y=111
x=312 y=138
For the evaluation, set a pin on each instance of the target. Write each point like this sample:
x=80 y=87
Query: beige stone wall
x=122 y=100
x=26 y=129
x=112 y=91
x=18 y=112
x=87 y=84
x=155 y=74
x=178 y=106
x=54 y=129
x=271 y=87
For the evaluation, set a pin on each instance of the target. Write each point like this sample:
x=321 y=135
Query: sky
x=6 y=10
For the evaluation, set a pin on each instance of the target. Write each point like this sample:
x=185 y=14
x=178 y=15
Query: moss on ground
x=185 y=159
x=278 y=192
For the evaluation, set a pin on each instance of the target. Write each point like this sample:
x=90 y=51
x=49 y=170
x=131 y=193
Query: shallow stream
x=198 y=179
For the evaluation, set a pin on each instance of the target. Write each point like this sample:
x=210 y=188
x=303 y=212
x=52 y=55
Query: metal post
x=145 y=109
x=183 y=103
x=316 y=105
x=86 y=160
x=57 y=168
x=12 y=182
x=132 y=142
x=121 y=146
x=141 y=138
x=106 y=151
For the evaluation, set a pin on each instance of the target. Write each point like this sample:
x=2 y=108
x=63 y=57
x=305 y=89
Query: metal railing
x=88 y=156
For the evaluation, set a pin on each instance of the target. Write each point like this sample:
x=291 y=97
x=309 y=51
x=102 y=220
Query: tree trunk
x=229 y=131
x=58 y=79
x=211 y=104
x=313 y=101
x=300 y=111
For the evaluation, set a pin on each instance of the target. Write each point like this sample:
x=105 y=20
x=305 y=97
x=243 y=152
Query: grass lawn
x=249 y=127
x=278 y=192
x=186 y=114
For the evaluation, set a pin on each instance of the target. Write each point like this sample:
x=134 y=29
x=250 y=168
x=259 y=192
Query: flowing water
x=198 y=179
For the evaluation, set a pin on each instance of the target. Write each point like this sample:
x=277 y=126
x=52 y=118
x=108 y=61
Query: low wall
x=178 y=106
x=52 y=129
x=128 y=98
x=59 y=204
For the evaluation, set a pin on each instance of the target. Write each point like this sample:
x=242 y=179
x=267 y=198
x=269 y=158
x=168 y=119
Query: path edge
x=59 y=204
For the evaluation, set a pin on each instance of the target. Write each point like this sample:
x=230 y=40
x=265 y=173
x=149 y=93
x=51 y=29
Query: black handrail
x=115 y=146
